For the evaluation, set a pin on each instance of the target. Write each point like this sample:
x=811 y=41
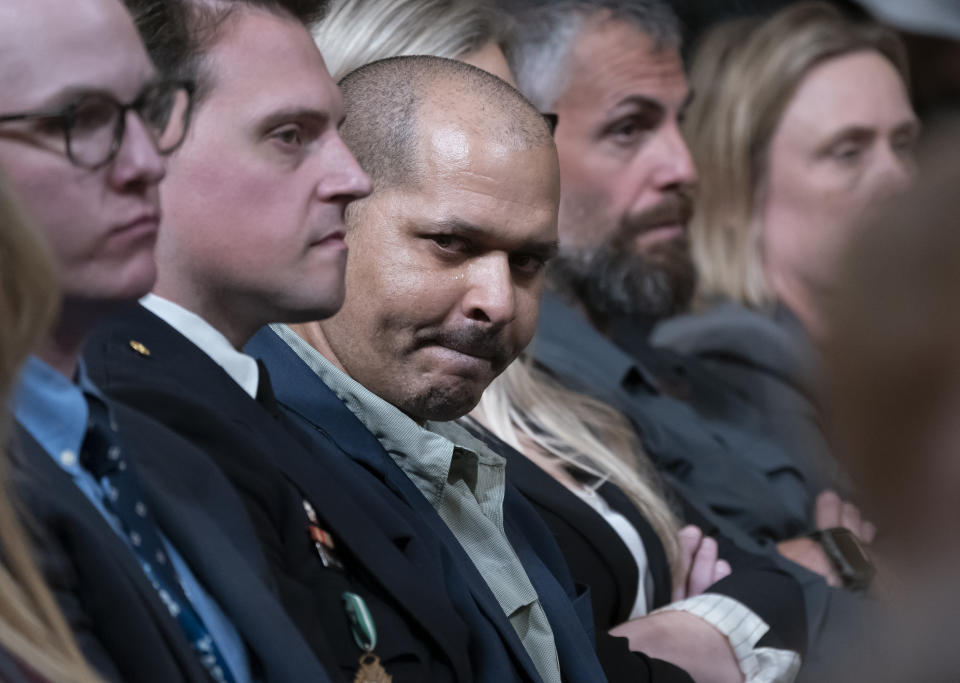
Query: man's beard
x=613 y=280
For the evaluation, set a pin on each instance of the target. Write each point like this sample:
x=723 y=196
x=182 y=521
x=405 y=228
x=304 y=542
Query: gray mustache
x=675 y=208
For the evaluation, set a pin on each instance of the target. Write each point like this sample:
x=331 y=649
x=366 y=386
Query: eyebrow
x=288 y=114
x=854 y=132
x=70 y=93
x=639 y=101
x=545 y=249
x=911 y=126
x=645 y=102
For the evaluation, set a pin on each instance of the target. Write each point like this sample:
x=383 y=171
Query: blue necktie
x=102 y=457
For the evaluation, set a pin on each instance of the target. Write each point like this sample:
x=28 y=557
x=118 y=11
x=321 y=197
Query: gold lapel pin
x=139 y=347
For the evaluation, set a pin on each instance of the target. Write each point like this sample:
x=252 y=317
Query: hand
x=700 y=566
x=686 y=641
x=807 y=553
x=832 y=511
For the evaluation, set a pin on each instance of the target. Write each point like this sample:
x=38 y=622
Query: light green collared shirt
x=465 y=482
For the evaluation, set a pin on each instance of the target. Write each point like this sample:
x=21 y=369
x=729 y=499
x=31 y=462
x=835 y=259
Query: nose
x=673 y=164
x=343 y=180
x=896 y=171
x=138 y=163
x=489 y=297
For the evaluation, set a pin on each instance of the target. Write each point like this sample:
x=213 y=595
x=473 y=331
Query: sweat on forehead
x=386 y=102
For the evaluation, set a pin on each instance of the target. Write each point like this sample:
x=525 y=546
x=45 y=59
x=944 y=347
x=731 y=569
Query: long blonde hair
x=357 y=32
x=584 y=434
x=31 y=626
x=744 y=75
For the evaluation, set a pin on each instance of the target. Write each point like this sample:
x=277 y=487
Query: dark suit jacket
x=597 y=556
x=496 y=652
x=308 y=399
x=12 y=672
x=274 y=467
x=121 y=625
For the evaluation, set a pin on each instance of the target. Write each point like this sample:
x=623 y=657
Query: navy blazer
x=121 y=625
x=275 y=467
x=308 y=399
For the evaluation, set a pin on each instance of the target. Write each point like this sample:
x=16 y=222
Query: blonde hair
x=743 y=84
x=356 y=32
x=583 y=434
x=31 y=627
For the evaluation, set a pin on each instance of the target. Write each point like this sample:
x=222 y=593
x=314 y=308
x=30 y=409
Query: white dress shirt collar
x=241 y=367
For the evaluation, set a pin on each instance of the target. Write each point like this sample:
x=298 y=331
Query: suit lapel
x=545 y=491
x=394 y=555
x=241 y=593
x=301 y=391
x=652 y=545
x=575 y=647
x=375 y=540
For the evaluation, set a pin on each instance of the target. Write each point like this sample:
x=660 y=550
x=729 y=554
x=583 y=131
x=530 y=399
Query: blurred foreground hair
x=32 y=629
x=526 y=407
x=892 y=367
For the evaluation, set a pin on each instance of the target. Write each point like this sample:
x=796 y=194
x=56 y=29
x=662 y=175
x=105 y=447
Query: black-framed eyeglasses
x=93 y=125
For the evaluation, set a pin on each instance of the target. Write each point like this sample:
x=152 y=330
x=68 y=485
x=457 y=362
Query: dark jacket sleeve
x=757 y=582
x=622 y=665
x=62 y=580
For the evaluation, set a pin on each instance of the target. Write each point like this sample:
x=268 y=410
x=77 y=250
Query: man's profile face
x=101 y=224
x=624 y=165
x=444 y=278
x=256 y=194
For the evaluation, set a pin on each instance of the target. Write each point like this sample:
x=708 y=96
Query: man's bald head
x=390 y=103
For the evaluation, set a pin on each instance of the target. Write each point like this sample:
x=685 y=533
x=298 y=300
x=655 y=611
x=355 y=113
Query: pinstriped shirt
x=465 y=483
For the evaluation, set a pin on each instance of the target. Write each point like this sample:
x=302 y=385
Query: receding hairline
x=543 y=38
x=383 y=126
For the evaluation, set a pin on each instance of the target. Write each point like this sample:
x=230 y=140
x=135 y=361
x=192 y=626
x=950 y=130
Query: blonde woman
x=800 y=121
x=618 y=532
x=32 y=630
x=357 y=32
x=587 y=446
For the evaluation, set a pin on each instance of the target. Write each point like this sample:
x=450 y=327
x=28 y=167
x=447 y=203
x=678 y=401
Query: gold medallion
x=370 y=670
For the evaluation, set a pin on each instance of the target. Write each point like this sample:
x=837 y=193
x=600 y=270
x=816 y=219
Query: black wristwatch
x=847 y=556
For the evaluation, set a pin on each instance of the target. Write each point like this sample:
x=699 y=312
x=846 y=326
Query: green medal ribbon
x=361 y=621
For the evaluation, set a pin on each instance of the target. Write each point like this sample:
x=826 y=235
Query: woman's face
x=846 y=139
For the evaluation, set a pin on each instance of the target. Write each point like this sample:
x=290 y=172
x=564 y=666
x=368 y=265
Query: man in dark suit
x=253 y=233
x=443 y=288
x=144 y=543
